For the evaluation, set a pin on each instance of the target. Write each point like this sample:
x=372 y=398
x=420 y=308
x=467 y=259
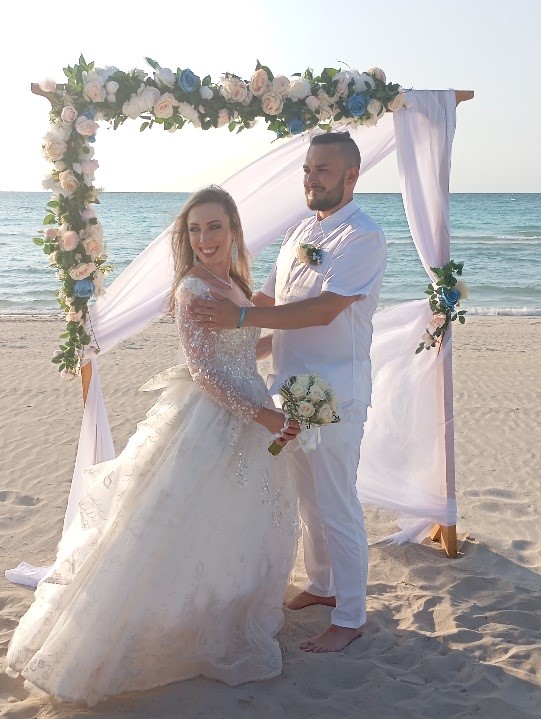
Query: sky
x=489 y=46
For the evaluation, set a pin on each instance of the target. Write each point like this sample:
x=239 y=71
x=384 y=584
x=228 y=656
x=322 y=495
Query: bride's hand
x=274 y=421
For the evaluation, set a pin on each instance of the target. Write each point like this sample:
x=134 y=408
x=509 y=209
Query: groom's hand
x=219 y=313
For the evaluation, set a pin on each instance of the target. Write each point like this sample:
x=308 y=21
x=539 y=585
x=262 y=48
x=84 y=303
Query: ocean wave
x=505 y=311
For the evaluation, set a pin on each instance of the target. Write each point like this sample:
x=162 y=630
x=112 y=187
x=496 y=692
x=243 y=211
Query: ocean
x=497 y=236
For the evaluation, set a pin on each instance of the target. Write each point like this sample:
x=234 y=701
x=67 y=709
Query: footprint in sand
x=22 y=500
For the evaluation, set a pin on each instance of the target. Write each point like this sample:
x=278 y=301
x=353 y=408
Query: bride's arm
x=199 y=344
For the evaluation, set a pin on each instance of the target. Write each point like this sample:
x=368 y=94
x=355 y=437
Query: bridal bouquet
x=308 y=399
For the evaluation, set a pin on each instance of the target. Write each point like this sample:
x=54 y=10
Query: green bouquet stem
x=275 y=448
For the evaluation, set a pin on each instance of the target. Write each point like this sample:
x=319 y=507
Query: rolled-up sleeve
x=358 y=263
x=268 y=287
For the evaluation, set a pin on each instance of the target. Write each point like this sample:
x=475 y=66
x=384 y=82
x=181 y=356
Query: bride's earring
x=234 y=253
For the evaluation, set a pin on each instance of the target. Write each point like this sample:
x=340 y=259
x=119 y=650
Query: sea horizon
x=496 y=235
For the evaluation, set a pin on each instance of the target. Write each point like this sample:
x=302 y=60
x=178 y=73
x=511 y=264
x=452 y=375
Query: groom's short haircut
x=348 y=147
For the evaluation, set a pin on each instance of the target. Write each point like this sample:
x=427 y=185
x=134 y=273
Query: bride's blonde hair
x=183 y=254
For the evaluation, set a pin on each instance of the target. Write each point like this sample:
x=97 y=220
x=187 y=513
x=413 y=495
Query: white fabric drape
x=270 y=198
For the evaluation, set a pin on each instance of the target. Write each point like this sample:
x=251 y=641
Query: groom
x=321 y=314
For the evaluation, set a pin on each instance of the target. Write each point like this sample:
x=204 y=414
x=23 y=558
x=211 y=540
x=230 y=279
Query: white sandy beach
x=445 y=638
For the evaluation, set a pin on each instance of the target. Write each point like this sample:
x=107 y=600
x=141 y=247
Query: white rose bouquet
x=310 y=400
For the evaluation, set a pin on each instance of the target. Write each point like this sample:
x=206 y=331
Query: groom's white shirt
x=353 y=263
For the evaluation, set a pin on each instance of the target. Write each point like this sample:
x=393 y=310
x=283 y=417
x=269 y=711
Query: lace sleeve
x=209 y=370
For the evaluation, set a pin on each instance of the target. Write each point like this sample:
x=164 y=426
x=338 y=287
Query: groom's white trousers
x=334 y=537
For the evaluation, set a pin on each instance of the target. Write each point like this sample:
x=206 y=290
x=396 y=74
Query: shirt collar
x=329 y=224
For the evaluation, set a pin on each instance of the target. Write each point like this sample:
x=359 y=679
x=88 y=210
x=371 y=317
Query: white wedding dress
x=178 y=564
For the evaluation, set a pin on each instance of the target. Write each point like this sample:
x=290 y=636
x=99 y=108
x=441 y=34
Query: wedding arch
x=407 y=459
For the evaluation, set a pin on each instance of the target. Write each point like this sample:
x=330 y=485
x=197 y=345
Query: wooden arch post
x=447 y=535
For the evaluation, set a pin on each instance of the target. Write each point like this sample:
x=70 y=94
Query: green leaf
x=461 y=319
x=153 y=64
x=49 y=220
x=144 y=126
x=38 y=241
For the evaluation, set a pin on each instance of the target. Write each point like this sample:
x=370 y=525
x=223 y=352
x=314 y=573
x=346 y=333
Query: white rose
x=133 y=107
x=54 y=150
x=299 y=89
x=304 y=380
x=306 y=409
x=316 y=393
x=60 y=165
x=68 y=240
x=297 y=390
x=375 y=108
x=59 y=131
x=112 y=87
x=110 y=98
x=259 y=82
x=163 y=107
x=248 y=99
x=93 y=90
x=81 y=271
x=98 y=281
x=463 y=288
x=341 y=81
x=237 y=89
x=76 y=167
x=281 y=85
x=88 y=167
x=206 y=93
x=67 y=374
x=165 y=76
x=271 y=103
x=106 y=72
x=363 y=81
x=85 y=126
x=397 y=103
x=325 y=414
x=190 y=113
x=148 y=96
x=88 y=154
x=48 y=85
x=68 y=181
x=69 y=114
x=377 y=73
x=312 y=102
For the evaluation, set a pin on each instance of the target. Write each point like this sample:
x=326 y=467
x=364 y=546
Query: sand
x=445 y=638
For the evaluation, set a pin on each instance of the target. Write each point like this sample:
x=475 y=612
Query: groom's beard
x=327 y=200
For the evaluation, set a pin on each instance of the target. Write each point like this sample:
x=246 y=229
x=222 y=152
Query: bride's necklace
x=227 y=283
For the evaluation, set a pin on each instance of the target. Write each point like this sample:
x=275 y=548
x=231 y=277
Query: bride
x=178 y=562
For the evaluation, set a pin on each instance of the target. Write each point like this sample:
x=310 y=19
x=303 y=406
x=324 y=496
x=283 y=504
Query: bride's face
x=210 y=235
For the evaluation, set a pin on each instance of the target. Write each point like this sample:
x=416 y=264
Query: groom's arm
x=312 y=312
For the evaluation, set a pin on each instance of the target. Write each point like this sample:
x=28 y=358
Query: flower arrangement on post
x=73 y=236
x=444 y=297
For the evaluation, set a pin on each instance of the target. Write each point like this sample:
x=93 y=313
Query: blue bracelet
x=242 y=317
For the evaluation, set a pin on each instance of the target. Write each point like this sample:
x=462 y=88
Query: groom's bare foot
x=305 y=599
x=333 y=639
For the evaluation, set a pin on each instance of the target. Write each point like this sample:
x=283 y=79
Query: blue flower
x=187 y=80
x=357 y=104
x=450 y=296
x=296 y=125
x=90 y=112
x=83 y=288
x=92 y=138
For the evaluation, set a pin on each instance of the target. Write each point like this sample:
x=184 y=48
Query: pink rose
x=68 y=240
x=93 y=247
x=281 y=85
x=312 y=102
x=88 y=214
x=223 y=117
x=397 y=102
x=51 y=233
x=377 y=73
x=68 y=181
x=437 y=320
x=259 y=82
x=428 y=339
x=68 y=114
x=48 y=85
x=74 y=316
x=79 y=272
x=54 y=150
x=164 y=106
x=94 y=91
x=271 y=103
x=85 y=126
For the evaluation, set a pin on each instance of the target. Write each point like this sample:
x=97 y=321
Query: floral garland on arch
x=444 y=298
x=73 y=238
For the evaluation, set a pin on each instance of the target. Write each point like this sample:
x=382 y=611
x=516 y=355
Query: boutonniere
x=309 y=255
